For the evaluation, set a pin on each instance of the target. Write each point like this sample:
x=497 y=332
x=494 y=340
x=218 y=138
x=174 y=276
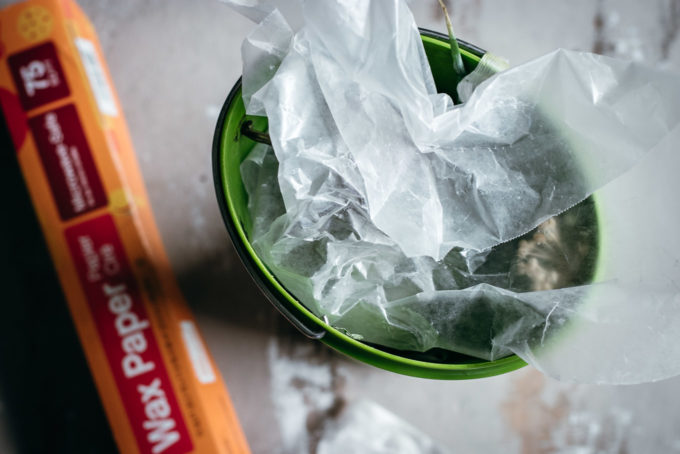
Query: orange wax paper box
x=159 y=386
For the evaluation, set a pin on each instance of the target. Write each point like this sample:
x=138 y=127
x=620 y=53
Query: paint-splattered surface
x=173 y=63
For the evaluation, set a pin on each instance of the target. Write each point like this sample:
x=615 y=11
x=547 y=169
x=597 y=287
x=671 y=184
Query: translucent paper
x=255 y=10
x=409 y=222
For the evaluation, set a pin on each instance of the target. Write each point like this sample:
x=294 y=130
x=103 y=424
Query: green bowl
x=230 y=148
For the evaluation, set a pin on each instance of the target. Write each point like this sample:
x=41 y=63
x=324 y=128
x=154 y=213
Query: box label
x=68 y=163
x=132 y=350
x=95 y=75
x=197 y=353
x=38 y=76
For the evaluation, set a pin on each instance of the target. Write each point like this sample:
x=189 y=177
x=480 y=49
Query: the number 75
x=34 y=78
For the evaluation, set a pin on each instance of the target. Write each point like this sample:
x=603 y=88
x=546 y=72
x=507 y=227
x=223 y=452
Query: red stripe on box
x=115 y=300
x=67 y=160
x=38 y=75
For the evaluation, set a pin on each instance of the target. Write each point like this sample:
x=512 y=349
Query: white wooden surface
x=173 y=63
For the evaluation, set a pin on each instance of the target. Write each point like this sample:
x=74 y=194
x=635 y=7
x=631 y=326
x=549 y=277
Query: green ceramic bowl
x=230 y=148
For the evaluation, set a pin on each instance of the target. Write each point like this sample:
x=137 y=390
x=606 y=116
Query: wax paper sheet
x=409 y=222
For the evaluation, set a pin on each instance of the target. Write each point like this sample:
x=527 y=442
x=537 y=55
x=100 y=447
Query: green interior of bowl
x=232 y=148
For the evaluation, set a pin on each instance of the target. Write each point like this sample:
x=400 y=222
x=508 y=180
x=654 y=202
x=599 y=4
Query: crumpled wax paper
x=409 y=222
